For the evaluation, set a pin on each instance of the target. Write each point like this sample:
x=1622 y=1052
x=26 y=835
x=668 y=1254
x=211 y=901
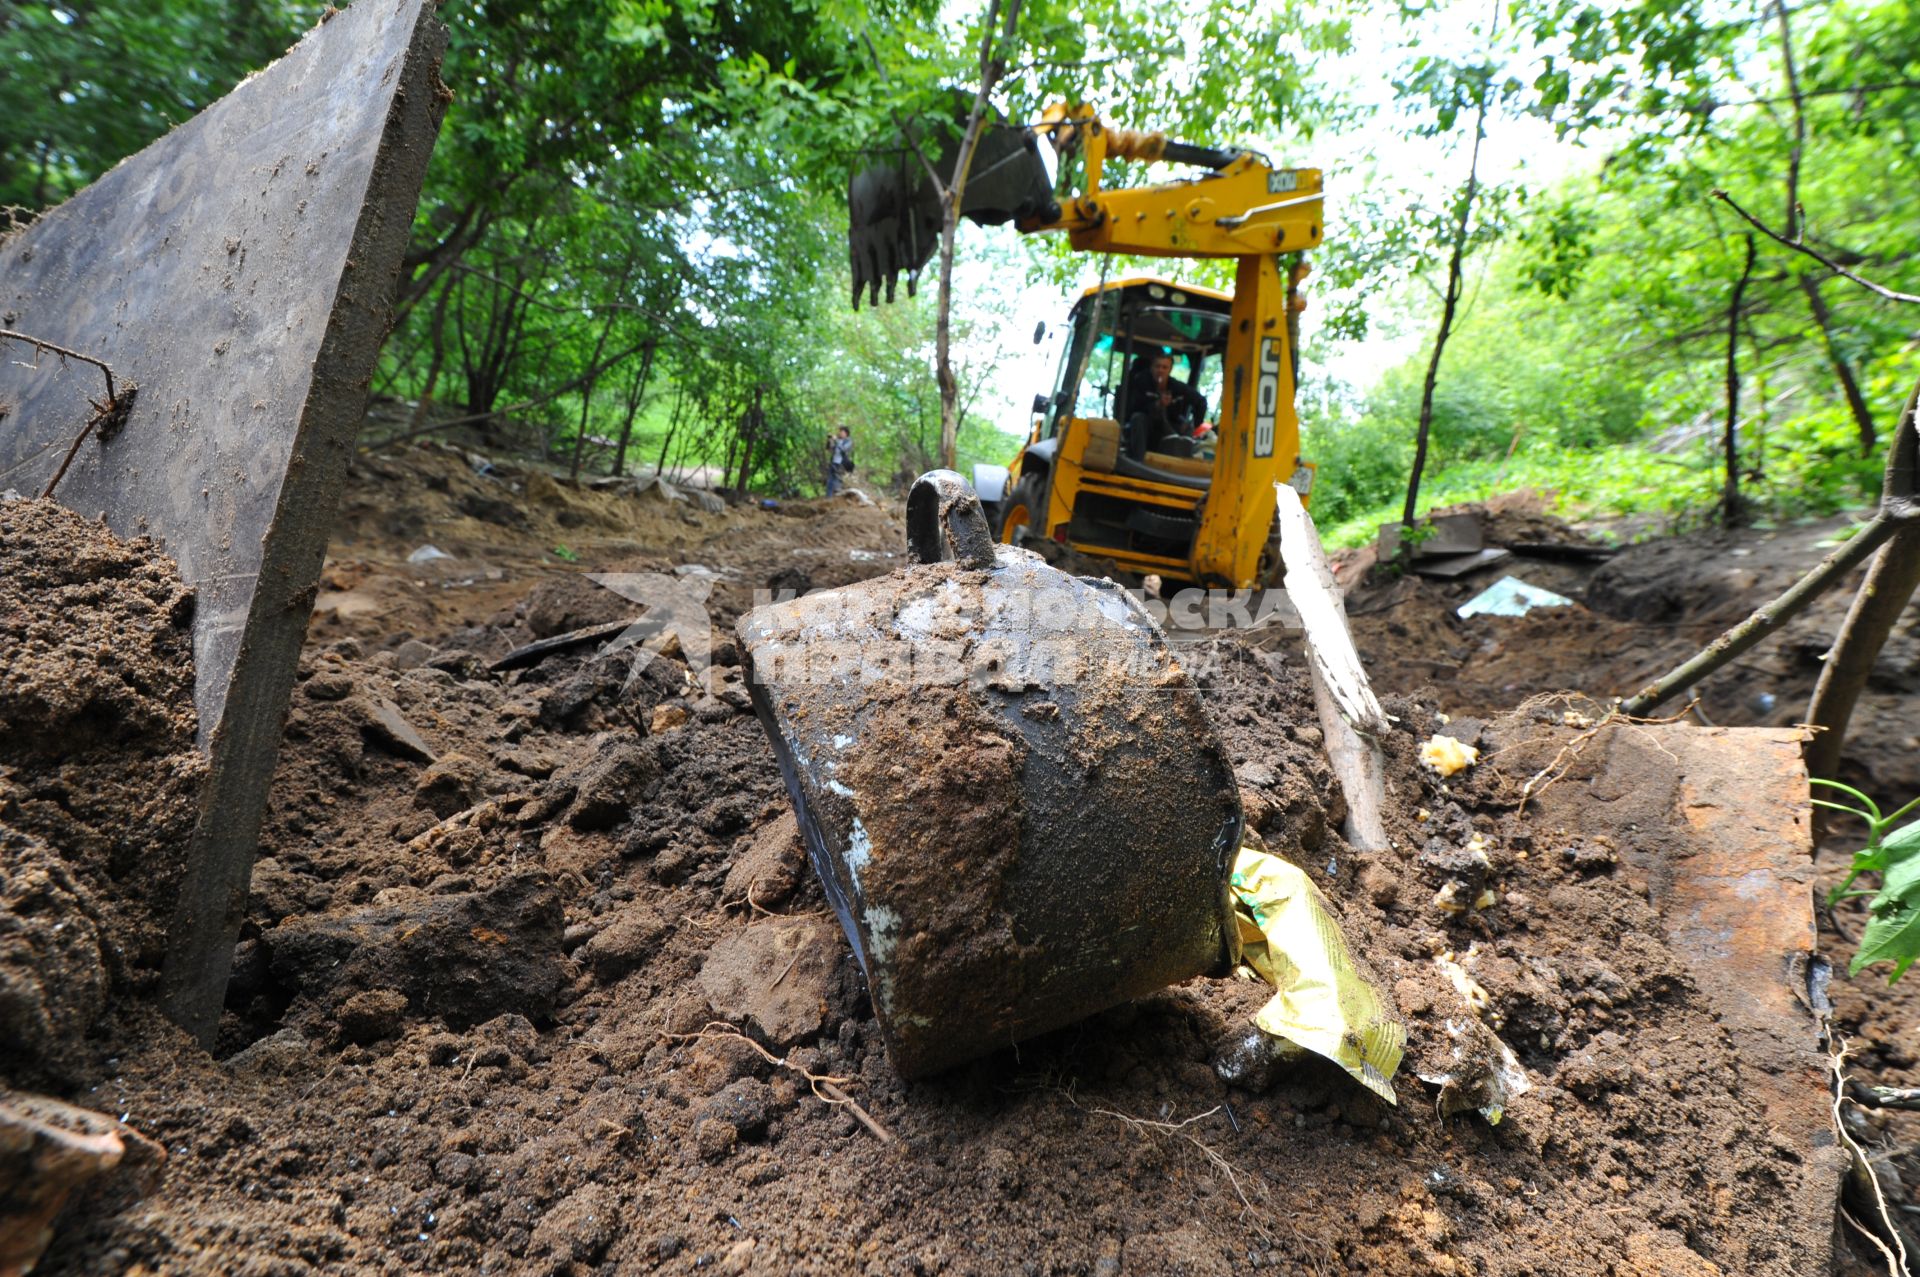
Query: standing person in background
x=839 y=459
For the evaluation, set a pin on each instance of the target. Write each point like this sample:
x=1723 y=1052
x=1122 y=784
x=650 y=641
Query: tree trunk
x=1452 y=302
x=1891 y=580
x=1842 y=370
x=752 y=423
x=680 y=457
x=660 y=466
x=673 y=428
x=992 y=66
x=586 y=394
x=436 y=338
x=466 y=230
x=487 y=369
x=1799 y=146
x=636 y=393
x=1732 y=508
x=942 y=345
x=580 y=431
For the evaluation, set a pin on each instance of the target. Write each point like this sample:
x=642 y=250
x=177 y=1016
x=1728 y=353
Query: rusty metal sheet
x=241 y=272
x=1738 y=901
x=1717 y=823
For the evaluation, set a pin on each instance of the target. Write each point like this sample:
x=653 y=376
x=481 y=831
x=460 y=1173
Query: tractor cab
x=1097 y=473
x=1113 y=332
x=1188 y=504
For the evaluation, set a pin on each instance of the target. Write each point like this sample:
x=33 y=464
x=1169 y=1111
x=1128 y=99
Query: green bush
x=1681 y=490
x=1811 y=464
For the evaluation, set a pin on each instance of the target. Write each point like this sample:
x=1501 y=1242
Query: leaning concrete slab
x=241 y=272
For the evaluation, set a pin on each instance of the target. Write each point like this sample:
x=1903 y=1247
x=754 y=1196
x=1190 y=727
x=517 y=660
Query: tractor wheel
x=1023 y=509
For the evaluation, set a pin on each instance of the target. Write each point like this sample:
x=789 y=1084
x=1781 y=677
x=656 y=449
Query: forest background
x=631 y=251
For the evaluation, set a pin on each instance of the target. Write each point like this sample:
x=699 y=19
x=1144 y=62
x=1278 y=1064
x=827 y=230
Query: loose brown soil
x=98 y=777
x=1638 y=615
x=505 y=926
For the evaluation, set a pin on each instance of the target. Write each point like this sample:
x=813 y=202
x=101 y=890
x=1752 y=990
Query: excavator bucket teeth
x=893 y=205
x=894 y=225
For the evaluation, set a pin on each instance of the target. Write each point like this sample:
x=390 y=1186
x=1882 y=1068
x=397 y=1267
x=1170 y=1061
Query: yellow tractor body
x=1088 y=476
x=1204 y=518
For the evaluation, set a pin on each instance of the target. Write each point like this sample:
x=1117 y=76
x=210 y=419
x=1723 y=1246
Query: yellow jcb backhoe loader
x=1007 y=782
x=1198 y=510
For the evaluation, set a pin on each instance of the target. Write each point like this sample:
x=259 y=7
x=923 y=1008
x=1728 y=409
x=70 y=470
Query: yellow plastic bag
x=1446 y=755
x=1320 y=1002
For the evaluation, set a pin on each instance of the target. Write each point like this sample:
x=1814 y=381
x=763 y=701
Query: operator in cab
x=1162 y=413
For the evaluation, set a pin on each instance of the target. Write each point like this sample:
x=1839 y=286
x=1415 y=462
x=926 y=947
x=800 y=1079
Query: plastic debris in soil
x=1320 y=1001
x=1510 y=596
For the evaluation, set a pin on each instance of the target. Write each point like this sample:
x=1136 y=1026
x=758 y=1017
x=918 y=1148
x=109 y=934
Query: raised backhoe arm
x=1240 y=207
x=1237 y=206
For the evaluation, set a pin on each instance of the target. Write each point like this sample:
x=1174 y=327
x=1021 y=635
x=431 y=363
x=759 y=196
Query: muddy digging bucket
x=1007 y=785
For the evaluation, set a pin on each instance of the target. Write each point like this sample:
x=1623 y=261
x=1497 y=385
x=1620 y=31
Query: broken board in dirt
x=1715 y=821
x=240 y=272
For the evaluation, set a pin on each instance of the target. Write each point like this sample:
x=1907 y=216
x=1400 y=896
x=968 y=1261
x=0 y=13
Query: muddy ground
x=506 y=923
x=1639 y=614
x=98 y=778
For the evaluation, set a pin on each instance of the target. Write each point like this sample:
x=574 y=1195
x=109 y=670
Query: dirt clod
x=776 y=976
x=627 y=942
x=607 y=788
x=767 y=866
x=371 y=1014
x=464 y=957
x=451 y=784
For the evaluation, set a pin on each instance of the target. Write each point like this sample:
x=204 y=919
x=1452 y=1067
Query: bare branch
x=1890 y=86
x=107 y=418
x=1447 y=316
x=993 y=65
x=109 y=414
x=1801 y=247
x=39 y=344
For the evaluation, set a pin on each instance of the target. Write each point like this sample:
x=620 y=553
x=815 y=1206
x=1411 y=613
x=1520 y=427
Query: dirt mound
x=1638 y=615
x=440 y=545
x=1524 y=517
x=509 y=927
x=99 y=777
x=473 y=1026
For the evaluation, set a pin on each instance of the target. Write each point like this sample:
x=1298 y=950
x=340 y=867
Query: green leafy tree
x=85 y=83
x=1893 y=929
